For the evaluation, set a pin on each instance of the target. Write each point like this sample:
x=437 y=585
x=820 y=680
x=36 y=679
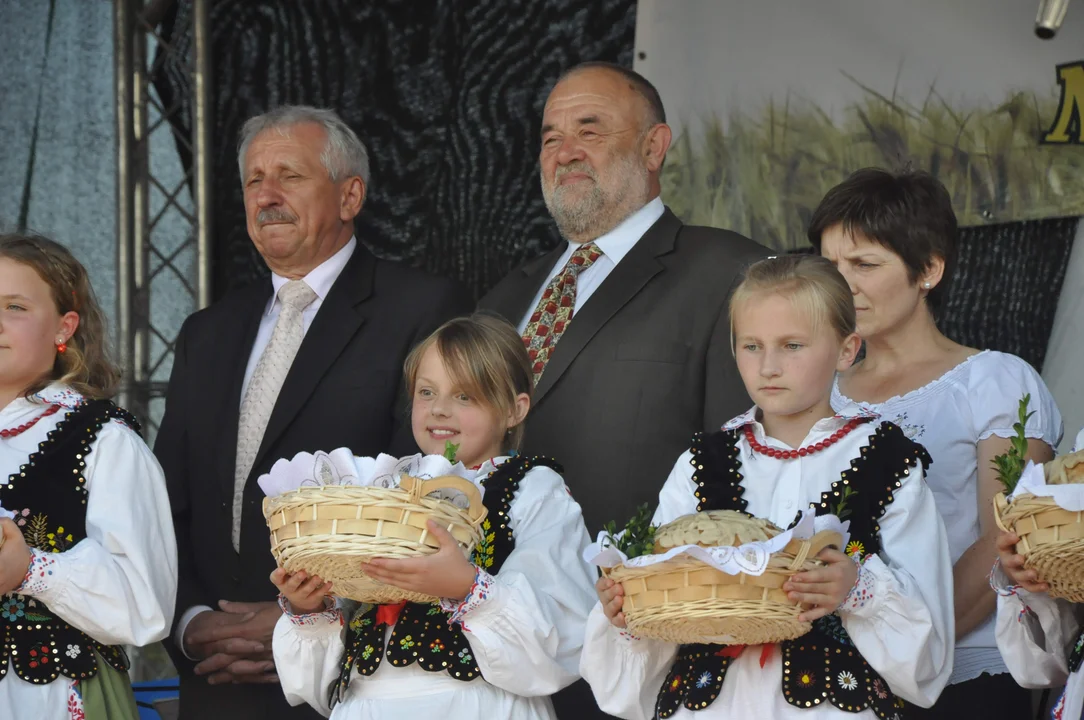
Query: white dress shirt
x=119 y=584
x=905 y=631
x=525 y=635
x=614 y=246
x=320 y=279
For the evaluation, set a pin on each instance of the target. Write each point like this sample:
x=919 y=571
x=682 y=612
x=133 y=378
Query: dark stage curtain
x=447 y=95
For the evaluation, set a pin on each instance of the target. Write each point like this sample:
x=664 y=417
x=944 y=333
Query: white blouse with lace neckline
x=917 y=393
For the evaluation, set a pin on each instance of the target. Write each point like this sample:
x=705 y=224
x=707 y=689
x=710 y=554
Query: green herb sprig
x=1010 y=464
x=639 y=536
x=449 y=451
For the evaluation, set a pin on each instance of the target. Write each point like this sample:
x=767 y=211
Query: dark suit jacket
x=644 y=364
x=343 y=390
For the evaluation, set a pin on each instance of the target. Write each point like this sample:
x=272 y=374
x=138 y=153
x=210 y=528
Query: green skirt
x=108 y=695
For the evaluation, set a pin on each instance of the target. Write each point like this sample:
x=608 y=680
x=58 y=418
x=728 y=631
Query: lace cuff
x=330 y=614
x=1000 y=582
x=39 y=574
x=861 y=593
x=479 y=593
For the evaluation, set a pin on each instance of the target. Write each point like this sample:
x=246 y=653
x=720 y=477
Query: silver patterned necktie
x=263 y=388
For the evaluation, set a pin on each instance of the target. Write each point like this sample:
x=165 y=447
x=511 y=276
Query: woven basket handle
x=825 y=539
x=420 y=488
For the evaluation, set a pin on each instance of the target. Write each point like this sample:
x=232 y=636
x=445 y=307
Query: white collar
x=617 y=243
x=321 y=277
x=848 y=412
x=54 y=394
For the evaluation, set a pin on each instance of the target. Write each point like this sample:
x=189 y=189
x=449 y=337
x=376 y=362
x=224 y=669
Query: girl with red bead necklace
x=88 y=559
x=880 y=608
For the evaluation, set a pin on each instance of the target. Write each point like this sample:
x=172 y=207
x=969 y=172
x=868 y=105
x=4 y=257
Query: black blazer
x=644 y=364
x=343 y=390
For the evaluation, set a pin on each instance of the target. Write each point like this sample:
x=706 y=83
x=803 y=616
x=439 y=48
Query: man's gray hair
x=344 y=154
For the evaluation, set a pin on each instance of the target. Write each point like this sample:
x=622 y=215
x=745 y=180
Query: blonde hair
x=85 y=365
x=811 y=282
x=486 y=358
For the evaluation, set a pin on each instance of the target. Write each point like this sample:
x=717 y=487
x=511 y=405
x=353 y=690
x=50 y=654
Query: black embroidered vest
x=49 y=496
x=424 y=633
x=822 y=665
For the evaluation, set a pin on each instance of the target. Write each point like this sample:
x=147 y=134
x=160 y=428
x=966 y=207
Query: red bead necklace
x=801 y=452
x=12 y=432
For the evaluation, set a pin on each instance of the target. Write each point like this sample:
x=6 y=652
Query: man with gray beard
x=626 y=322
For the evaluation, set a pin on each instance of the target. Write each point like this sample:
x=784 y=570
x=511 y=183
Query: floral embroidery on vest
x=823 y=664
x=425 y=634
x=50 y=492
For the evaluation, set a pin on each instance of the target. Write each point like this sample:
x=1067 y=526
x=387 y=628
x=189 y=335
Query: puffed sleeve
x=900 y=613
x=525 y=625
x=996 y=387
x=119 y=584
x=308 y=650
x=1034 y=633
x=625 y=672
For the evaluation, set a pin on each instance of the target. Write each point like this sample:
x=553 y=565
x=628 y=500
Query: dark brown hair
x=85 y=365
x=909 y=212
x=486 y=358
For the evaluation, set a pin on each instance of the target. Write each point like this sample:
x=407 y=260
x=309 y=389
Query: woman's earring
x=61 y=346
x=927 y=285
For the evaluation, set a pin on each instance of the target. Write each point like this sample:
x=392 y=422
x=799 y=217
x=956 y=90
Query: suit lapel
x=535 y=275
x=334 y=326
x=620 y=286
x=244 y=325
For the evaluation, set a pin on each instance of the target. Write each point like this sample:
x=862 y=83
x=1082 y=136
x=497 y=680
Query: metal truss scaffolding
x=157 y=264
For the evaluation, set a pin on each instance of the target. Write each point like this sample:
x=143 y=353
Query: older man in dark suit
x=627 y=321
x=309 y=359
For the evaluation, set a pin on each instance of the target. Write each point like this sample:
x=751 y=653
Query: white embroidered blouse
x=525 y=634
x=903 y=627
x=973 y=401
x=119 y=584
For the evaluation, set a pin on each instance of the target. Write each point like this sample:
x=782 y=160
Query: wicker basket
x=684 y=600
x=1051 y=541
x=329 y=530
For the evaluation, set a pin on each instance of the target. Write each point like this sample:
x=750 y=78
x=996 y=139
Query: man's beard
x=601 y=208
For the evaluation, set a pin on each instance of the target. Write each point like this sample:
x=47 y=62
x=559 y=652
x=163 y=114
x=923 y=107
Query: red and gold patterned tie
x=554 y=311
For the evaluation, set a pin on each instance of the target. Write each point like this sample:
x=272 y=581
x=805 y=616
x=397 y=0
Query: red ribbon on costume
x=389 y=614
x=733 y=651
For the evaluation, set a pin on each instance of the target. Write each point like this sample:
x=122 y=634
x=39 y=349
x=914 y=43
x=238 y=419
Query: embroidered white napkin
x=342 y=467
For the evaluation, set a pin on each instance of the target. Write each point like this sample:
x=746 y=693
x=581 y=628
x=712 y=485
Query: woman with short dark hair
x=893 y=236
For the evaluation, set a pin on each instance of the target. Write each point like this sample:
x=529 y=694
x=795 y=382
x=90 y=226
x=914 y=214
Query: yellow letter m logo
x=1067 y=126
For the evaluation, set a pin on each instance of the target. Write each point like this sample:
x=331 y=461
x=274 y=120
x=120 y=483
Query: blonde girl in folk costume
x=881 y=613
x=88 y=562
x=1041 y=638
x=505 y=637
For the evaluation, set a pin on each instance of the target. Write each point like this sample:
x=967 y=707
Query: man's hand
x=234 y=645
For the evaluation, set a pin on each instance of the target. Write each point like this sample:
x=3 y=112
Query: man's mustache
x=273 y=215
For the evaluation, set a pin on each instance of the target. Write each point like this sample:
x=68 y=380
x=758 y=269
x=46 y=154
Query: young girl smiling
x=506 y=636
x=881 y=613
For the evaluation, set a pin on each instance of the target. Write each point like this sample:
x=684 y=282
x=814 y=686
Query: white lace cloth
x=342 y=467
x=1033 y=480
x=750 y=558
